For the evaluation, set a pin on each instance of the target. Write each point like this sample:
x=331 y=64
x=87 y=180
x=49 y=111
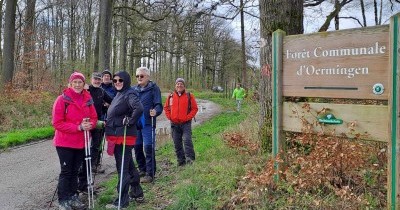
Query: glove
x=126 y=120
x=100 y=124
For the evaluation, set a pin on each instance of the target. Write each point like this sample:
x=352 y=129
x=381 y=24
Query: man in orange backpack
x=180 y=108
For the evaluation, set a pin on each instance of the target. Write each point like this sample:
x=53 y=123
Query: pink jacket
x=69 y=109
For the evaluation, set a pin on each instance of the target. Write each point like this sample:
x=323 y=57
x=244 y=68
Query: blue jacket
x=150 y=96
x=109 y=88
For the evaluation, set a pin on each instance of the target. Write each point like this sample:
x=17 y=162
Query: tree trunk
x=244 y=63
x=105 y=34
x=288 y=16
x=96 y=50
x=333 y=14
x=363 y=13
x=376 y=12
x=88 y=31
x=9 y=41
x=1 y=23
x=337 y=16
x=122 y=42
x=29 y=43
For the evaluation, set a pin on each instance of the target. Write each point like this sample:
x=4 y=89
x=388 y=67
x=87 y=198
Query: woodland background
x=43 y=41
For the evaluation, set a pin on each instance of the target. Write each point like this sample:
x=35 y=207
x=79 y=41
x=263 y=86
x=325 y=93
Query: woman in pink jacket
x=69 y=111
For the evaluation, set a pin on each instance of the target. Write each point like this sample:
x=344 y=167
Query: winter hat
x=96 y=75
x=180 y=80
x=107 y=72
x=76 y=75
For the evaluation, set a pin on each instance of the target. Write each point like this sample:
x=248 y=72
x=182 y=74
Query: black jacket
x=125 y=104
x=99 y=97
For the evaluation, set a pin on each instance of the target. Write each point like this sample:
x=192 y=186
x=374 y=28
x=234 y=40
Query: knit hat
x=107 y=72
x=96 y=75
x=180 y=80
x=76 y=75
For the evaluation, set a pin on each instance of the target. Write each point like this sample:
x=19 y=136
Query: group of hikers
x=111 y=110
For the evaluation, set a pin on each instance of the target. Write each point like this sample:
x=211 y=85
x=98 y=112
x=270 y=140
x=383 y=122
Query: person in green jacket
x=238 y=94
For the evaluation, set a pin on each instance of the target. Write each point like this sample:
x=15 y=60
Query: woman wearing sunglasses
x=122 y=116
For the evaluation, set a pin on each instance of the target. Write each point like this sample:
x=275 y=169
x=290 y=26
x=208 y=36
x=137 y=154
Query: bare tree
x=105 y=34
x=29 y=42
x=9 y=41
x=334 y=13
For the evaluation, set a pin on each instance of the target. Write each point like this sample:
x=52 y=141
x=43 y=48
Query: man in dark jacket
x=108 y=87
x=150 y=96
x=99 y=98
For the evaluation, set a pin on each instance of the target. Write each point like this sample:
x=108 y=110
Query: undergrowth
x=22 y=109
x=316 y=172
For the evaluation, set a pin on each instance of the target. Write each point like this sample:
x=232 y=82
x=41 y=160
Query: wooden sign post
x=355 y=64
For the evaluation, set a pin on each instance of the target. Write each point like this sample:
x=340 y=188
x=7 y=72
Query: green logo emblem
x=329 y=119
x=378 y=89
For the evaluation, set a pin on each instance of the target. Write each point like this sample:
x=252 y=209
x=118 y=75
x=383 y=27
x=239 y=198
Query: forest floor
x=29 y=173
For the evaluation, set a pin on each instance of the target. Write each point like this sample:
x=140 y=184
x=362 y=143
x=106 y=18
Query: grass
x=205 y=184
x=24 y=136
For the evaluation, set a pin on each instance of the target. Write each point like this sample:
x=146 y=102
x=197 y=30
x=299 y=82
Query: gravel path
x=29 y=173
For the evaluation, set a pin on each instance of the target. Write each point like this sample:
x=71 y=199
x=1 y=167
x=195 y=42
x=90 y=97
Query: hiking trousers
x=130 y=177
x=70 y=161
x=182 y=136
x=146 y=159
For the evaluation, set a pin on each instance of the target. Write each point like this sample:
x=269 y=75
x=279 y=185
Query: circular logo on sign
x=378 y=89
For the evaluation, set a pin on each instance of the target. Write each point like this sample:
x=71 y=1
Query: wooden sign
x=339 y=64
x=356 y=64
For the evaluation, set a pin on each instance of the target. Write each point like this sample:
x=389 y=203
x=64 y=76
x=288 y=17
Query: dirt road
x=29 y=173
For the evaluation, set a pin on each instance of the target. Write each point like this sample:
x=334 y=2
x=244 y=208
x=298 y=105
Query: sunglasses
x=118 y=80
x=141 y=76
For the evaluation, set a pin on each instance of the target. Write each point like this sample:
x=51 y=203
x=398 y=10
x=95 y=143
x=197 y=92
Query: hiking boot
x=64 y=205
x=137 y=199
x=181 y=163
x=113 y=206
x=136 y=194
x=142 y=173
x=76 y=204
x=146 y=179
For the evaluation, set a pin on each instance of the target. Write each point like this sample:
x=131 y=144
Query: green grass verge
x=23 y=136
x=208 y=182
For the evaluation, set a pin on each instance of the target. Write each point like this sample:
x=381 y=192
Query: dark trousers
x=130 y=175
x=95 y=152
x=70 y=161
x=145 y=150
x=182 y=136
x=95 y=148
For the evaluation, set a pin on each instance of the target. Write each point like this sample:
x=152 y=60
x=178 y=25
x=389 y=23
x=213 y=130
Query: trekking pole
x=153 y=139
x=52 y=198
x=101 y=149
x=122 y=166
x=89 y=176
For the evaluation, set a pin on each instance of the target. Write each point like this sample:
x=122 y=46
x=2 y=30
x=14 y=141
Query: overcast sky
x=314 y=17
